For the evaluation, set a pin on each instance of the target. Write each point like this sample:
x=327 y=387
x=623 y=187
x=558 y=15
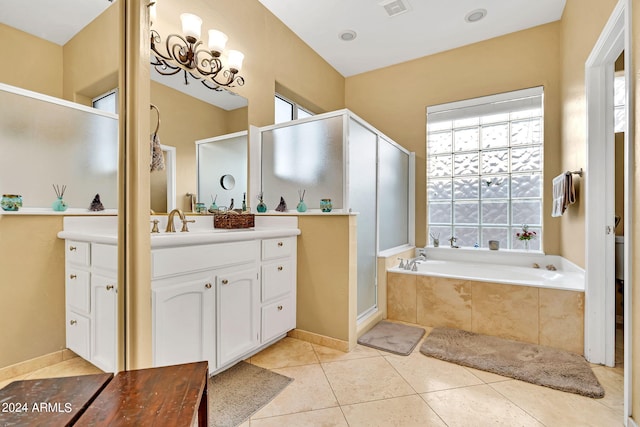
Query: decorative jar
x=325 y=205
x=11 y=202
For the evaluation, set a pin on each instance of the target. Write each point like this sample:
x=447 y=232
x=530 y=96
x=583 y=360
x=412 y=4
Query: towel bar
x=579 y=173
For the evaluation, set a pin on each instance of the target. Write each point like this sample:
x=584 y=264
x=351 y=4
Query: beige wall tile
x=562 y=319
x=443 y=302
x=507 y=311
x=401 y=297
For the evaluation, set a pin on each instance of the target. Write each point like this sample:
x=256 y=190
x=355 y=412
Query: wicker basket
x=231 y=221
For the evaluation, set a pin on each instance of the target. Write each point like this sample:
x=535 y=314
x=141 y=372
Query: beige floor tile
x=68 y=368
x=477 y=406
x=556 y=408
x=331 y=417
x=613 y=382
x=406 y=411
x=284 y=353
x=308 y=391
x=487 y=377
x=426 y=374
x=326 y=354
x=362 y=380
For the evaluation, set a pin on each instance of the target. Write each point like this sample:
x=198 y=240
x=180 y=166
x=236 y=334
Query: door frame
x=599 y=218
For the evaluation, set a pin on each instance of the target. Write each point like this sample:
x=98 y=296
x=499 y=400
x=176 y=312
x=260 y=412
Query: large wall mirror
x=63 y=56
x=188 y=112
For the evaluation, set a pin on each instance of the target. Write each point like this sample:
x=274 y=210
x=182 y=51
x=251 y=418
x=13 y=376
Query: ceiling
x=427 y=27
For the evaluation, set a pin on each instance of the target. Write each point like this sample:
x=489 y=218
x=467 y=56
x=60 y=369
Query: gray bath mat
x=240 y=391
x=532 y=363
x=392 y=337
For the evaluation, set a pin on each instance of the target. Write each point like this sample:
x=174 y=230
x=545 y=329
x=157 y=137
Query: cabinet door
x=104 y=310
x=183 y=320
x=78 y=331
x=238 y=314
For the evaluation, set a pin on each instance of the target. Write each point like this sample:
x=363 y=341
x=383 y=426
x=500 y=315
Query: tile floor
x=368 y=388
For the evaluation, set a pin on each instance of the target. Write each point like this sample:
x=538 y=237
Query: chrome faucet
x=452 y=242
x=171 y=228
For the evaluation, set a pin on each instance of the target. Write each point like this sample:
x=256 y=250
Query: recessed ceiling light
x=475 y=15
x=347 y=35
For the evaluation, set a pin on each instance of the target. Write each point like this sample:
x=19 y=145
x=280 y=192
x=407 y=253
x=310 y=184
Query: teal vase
x=326 y=205
x=11 y=202
x=59 y=205
x=262 y=208
x=302 y=206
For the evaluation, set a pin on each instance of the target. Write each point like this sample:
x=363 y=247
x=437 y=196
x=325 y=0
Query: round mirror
x=227 y=182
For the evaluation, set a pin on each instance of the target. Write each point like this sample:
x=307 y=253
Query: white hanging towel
x=559 y=183
x=157 y=157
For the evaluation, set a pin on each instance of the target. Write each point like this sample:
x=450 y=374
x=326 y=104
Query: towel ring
x=153 y=107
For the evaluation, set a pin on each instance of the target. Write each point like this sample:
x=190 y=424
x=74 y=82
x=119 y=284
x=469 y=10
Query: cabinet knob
x=72 y=248
x=207 y=285
x=280 y=268
x=279 y=308
x=280 y=244
x=73 y=322
x=72 y=276
x=109 y=287
x=225 y=281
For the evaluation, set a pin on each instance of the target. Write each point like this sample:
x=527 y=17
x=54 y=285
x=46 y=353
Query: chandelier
x=186 y=53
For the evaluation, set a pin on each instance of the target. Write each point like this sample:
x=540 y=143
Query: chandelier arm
x=156 y=39
x=210 y=65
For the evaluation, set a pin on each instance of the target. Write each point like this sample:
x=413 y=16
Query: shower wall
x=340 y=156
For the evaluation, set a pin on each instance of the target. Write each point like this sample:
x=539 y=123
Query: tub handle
x=401 y=263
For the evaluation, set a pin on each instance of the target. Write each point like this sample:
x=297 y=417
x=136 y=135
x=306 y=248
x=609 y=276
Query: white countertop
x=104 y=230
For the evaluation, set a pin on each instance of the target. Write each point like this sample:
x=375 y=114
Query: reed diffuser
x=302 y=206
x=59 y=205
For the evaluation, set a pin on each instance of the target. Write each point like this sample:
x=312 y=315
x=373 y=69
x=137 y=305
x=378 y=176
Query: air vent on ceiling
x=395 y=7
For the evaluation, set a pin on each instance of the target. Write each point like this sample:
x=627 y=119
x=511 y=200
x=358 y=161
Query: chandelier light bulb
x=217 y=42
x=191 y=26
x=235 y=60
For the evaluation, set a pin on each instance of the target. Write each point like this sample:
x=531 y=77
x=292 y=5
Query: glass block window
x=484 y=169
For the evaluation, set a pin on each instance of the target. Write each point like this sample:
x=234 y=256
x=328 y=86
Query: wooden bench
x=171 y=396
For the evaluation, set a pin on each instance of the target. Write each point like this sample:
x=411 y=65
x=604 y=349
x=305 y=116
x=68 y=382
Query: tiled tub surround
x=540 y=312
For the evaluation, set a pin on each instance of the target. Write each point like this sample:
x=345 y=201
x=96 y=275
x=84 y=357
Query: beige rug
x=392 y=337
x=240 y=391
x=532 y=363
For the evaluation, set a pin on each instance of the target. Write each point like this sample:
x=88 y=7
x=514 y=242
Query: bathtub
x=498 y=294
x=502 y=273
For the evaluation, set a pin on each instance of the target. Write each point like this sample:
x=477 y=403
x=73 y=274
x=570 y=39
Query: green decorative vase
x=302 y=206
x=262 y=208
x=326 y=205
x=11 y=202
x=59 y=205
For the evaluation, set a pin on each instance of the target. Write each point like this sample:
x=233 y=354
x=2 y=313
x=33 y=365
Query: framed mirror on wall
x=65 y=143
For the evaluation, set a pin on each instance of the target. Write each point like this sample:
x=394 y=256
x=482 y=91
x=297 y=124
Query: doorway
x=600 y=305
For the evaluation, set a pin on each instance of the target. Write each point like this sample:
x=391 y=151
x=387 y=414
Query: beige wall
x=582 y=23
x=498 y=65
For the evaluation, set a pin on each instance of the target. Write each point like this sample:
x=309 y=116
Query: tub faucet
x=452 y=242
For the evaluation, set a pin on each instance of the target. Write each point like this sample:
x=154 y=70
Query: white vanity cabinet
x=221 y=302
x=278 y=287
x=91 y=302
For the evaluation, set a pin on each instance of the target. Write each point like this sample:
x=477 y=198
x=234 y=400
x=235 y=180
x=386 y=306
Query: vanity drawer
x=77 y=252
x=277 y=279
x=104 y=256
x=277 y=319
x=181 y=260
x=78 y=291
x=277 y=248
